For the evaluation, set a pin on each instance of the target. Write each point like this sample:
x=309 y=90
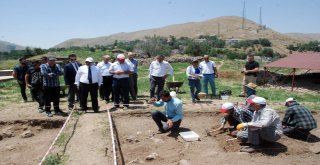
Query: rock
x=183 y=162
x=139 y=133
x=9 y=148
x=26 y=134
x=136 y=161
x=152 y=156
x=7 y=132
x=315 y=148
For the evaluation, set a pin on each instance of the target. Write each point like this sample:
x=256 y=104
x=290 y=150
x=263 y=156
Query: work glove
x=242 y=125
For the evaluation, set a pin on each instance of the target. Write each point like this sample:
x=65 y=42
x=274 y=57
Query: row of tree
x=155 y=45
x=311 y=46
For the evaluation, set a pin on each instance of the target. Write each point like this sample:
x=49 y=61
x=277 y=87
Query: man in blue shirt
x=133 y=78
x=172 y=115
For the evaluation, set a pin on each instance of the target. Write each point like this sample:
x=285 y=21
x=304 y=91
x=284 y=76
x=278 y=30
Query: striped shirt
x=240 y=114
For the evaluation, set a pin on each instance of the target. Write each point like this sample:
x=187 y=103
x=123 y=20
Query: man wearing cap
x=298 y=120
x=209 y=72
x=133 y=78
x=70 y=71
x=234 y=116
x=265 y=125
x=107 y=77
x=121 y=71
x=250 y=72
x=159 y=70
x=51 y=85
x=19 y=73
x=194 y=75
x=172 y=115
x=88 y=79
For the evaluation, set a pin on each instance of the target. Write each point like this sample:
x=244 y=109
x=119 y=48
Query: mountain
x=7 y=46
x=225 y=27
x=305 y=36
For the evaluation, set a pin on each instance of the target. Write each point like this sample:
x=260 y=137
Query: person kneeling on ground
x=234 y=116
x=172 y=115
x=298 y=120
x=265 y=125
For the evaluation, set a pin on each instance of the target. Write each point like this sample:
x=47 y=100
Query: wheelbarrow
x=174 y=86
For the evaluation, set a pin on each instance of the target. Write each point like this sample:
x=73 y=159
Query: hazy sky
x=45 y=23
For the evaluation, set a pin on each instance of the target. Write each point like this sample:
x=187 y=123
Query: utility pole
x=260 y=19
x=244 y=15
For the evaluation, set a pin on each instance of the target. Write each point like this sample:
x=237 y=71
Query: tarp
x=298 y=60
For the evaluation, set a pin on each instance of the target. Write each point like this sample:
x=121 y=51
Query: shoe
x=241 y=95
x=40 y=110
x=49 y=114
x=70 y=108
x=114 y=108
x=197 y=98
x=125 y=107
x=193 y=101
x=60 y=113
x=249 y=149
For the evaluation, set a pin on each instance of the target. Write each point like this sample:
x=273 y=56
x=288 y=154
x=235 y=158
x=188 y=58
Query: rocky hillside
x=7 y=46
x=225 y=27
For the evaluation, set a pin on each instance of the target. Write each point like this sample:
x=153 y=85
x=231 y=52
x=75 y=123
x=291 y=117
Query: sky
x=46 y=23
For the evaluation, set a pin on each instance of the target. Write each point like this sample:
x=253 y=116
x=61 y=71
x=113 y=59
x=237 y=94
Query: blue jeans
x=194 y=84
x=209 y=78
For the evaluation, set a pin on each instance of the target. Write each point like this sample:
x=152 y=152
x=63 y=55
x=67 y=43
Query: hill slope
x=229 y=27
x=305 y=36
x=7 y=46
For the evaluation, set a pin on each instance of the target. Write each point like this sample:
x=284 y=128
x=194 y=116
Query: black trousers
x=23 y=91
x=133 y=85
x=158 y=116
x=73 y=93
x=37 y=94
x=107 y=87
x=84 y=92
x=51 y=94
x=121 y=86
x=156 y=82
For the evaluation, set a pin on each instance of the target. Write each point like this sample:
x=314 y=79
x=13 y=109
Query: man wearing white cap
x=88 y=79
x=265 y=125
x=107 y=78
x=298 y=120
x=159 y=70
x=121 y=71
x=234 y=116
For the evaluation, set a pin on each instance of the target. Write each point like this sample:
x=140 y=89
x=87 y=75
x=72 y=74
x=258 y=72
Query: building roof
x=298 y=60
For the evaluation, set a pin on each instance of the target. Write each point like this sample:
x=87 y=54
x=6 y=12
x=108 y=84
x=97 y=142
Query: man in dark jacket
x=19 y=73
x=298 y=120
x=70 y=71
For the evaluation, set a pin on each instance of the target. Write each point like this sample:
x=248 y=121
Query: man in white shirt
x=265 y=125
x=88 y=79
x=107 y=77
x=159 y=70
x=133 y=78
x=209 y=72
x=121 y=71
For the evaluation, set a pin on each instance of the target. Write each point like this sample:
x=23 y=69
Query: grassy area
x=7 y=64
x=230 y=78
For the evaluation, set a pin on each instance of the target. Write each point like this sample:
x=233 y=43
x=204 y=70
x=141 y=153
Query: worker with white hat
x=298 y=120
x=120 y=84
x=265 y=125
x=234 y=115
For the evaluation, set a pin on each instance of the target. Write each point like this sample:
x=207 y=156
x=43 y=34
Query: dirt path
x=91 y=142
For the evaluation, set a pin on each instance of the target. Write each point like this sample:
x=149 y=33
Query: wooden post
x=292 y=82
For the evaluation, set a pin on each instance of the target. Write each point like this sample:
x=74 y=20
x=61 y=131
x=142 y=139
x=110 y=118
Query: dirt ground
x=137 y=137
